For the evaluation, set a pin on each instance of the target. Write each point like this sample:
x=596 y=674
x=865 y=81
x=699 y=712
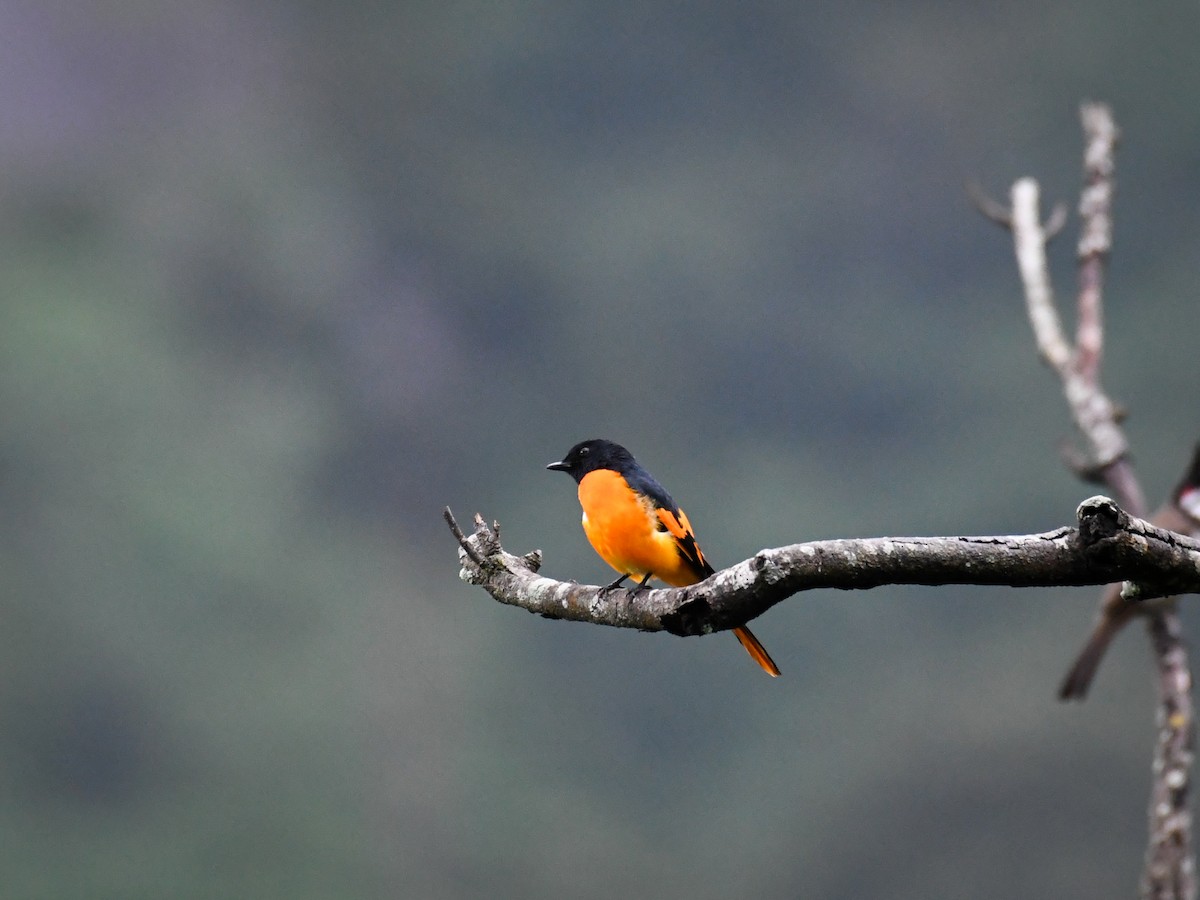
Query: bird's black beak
x=559 y=466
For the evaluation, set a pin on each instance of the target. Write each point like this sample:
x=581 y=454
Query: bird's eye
x=584 y=451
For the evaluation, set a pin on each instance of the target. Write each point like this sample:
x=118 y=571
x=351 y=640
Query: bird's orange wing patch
x=675 y=523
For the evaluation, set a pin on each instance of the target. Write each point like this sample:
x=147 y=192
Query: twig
x=991 y=209
x=462 y=538
x=1095 y=239
x=1029 y=244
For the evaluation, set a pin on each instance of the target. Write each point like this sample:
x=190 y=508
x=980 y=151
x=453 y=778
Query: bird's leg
x=637 y=589
x=641 y=585
x=616 y=584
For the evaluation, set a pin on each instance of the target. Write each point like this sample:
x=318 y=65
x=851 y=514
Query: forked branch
x=1170 y=868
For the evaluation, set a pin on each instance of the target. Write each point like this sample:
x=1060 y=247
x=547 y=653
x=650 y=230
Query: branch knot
x=1100 y=519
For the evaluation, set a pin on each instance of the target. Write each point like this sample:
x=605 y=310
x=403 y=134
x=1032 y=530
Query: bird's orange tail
x=757 y=650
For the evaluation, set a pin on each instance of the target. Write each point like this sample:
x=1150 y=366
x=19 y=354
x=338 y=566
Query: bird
x=637 y=528
x=1181 y=514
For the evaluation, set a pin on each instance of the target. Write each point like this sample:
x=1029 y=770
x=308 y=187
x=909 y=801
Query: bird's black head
x=588 y=456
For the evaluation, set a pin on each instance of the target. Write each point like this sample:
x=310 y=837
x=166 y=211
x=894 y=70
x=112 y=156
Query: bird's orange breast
x=624 y=528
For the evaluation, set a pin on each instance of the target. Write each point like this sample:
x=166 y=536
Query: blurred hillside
x=282 y=280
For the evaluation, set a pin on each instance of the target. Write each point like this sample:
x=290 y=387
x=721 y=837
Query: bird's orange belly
x=622 y=528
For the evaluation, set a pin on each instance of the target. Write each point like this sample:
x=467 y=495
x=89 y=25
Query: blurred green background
x=280 y=281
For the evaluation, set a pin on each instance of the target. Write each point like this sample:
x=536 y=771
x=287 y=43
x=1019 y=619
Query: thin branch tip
x=990 y=208
x=462 y=539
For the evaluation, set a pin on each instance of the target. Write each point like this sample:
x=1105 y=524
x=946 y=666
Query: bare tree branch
x=1107 y=545
x=1169 y=870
